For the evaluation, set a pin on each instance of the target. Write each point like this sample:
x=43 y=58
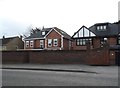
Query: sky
x=18 y=16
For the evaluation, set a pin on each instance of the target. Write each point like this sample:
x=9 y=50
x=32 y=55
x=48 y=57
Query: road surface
x=55 y=78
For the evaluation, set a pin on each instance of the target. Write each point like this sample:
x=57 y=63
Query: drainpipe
x=45 y=43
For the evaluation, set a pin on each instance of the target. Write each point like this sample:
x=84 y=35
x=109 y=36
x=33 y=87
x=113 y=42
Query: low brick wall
x=57 y=57
x=91 y=57
x=98 y=57
x=15 y=57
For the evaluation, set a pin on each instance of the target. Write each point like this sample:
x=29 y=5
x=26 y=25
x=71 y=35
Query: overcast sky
x=16 y=16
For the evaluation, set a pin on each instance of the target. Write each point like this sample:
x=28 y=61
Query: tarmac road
x=14 y=77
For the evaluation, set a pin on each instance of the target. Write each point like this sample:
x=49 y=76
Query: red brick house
x=48 y=39
x=97 y=36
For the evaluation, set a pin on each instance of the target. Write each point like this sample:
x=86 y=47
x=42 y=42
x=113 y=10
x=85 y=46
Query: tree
x=30 y=30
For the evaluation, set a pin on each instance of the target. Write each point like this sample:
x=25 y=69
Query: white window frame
x=27 y=43
x=55 y=42
x=83 y=42
x=31 y=43
x=98 y=27
x=105 y=39
x=118 y=40
x=42 y=43
x=49 y=42
x=101 y=28
x=104 y=27
x=43 y=32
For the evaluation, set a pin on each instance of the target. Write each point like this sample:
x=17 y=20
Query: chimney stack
x=3 y=36
x=21 y=37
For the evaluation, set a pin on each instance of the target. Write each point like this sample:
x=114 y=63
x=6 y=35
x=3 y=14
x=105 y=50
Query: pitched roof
x=83 y=32
x=47 y=30
x=5 y=41
x=112 y=29
x=39 y=34
x=65 y=35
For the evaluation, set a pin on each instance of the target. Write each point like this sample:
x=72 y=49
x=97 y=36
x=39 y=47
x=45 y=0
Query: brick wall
x=15 y=57
x=112 y=57
x=112 y=41
x=54 y=35
x=14 y=44
x=75 y=47
x=57 y=57
x=66 y=44
x=92 y=57
x=96 y=42
x=37 y=43
x=98 y=57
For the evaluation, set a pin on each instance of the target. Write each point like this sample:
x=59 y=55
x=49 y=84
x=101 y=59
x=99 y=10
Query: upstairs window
x=27 y=43
x=98 y=27
x=43 y=33
x=31 y=43
x=49 y=42
x=102 y=28
x=55 y=42
x=103 y=41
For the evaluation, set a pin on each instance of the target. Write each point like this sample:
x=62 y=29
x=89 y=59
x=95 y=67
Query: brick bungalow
x=97 y=36
x=48 y=39
x=11 y=43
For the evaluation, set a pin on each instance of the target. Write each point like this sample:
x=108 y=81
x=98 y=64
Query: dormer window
x=104 y=27
x=101 y=28
x=43 y=33
x=98 y=27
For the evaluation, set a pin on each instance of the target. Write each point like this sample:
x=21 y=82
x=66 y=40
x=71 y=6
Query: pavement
x=63 y=67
